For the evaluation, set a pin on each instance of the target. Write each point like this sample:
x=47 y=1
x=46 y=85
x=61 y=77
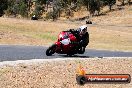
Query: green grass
x=30 y=30
x=47 y=36
x=13 y=28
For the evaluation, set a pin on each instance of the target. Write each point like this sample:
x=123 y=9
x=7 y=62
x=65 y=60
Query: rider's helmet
x=34 y=16
x=83 y=29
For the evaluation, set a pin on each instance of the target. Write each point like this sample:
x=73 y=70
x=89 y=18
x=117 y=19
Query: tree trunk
x=29 y=5
x=110 y=7
x=54 y=14
x=123 y=2
x=87 y=6
x=129 y=2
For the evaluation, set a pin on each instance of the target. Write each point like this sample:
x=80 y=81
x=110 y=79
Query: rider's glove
x=81 y=42
x=72 y=30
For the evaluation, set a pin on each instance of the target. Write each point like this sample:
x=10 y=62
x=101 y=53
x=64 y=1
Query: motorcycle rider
x=82 y=36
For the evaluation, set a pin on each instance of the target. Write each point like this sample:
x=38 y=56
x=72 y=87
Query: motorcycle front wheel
x=51 y=50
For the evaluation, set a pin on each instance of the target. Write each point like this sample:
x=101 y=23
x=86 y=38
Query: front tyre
x=51 y=50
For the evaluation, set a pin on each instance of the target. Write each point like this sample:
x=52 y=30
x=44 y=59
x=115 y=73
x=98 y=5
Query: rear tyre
x=71 y=53
x=51 y=50
x=81 y=50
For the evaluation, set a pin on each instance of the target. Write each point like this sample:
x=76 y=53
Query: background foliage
x=52 y=8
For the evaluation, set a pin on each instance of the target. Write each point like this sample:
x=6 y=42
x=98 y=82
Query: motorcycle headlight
x=60 y=36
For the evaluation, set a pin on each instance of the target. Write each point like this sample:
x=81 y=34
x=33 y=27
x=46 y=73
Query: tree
x=94 y=5
x=3 y=6
x=23 y=9
x=20 y=7
x=57 y=7
x=110 y=3
x=123 y=2
x=86 y=3
x=129 y=2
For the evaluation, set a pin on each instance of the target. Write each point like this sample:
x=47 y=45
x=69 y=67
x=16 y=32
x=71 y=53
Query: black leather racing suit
x=82 y=40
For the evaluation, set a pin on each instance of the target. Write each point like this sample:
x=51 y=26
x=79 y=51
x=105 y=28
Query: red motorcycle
x=66 y=44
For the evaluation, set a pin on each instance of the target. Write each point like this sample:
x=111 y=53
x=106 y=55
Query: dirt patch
x=62 y=73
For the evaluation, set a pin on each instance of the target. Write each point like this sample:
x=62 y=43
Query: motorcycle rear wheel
x=51 y=50
x=71 y=53
x=81 y=50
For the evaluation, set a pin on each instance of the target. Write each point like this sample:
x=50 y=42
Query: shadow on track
x=76 y=56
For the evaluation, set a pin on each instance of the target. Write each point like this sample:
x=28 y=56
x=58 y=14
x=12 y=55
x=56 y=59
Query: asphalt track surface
x=20 y=52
